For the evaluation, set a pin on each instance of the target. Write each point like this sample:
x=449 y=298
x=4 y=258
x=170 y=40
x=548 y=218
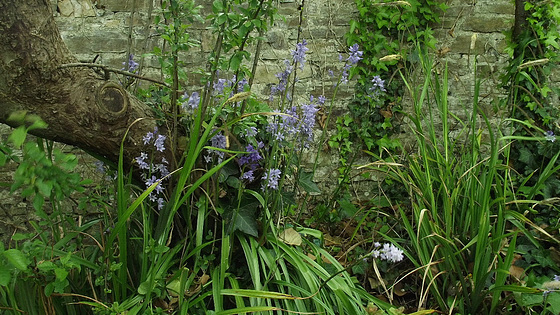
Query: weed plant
x=465 y=215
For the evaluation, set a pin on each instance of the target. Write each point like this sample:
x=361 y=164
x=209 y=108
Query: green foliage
x=380 y=31
x=460 y=189
x=534 y=55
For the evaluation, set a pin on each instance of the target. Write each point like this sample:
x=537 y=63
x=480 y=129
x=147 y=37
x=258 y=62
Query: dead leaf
x=290 y=237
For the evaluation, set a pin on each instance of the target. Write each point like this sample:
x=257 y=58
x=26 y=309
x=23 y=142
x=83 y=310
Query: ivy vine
x=389 y=34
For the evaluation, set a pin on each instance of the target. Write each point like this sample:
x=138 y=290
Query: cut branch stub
x=112 y=100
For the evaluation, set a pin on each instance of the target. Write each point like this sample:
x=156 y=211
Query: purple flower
x=132 y=65
x=355 y=54
x=252 y=158
x=190 y=102
x=241 y=85
x=221 y=85
x=160 y=203
x=250 y=132
x=218 y=141
x=159 y=188
x=549 y=136
x=282 y=80
x=249 y=176
x=148 y=137
x=307 y=123
x=141 y=160
x=378 y=85
x=159 y=143
x=271 y=178
x=298 y=54
x=321 y=100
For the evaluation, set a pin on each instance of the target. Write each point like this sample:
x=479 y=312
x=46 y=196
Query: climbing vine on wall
x=534 y=50
x=390 y=35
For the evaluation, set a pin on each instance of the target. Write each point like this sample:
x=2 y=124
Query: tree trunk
x=520 y=24
x=80 y=107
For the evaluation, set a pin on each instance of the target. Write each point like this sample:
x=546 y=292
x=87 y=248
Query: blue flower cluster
x=130 y=66
x=190 y=103
x=290 y=125
x=218 y=141
x=154 y=173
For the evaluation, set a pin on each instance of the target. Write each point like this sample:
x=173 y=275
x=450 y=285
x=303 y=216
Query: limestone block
x=77 y=8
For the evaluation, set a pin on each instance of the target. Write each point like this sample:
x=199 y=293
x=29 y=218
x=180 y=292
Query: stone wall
x=113 y=29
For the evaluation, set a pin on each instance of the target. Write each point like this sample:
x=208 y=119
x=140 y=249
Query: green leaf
x=5 y=275
x=3 y=159
x=38 y=202
x=17 y=259
x=144 y=287
x=46 y=266
x=244 y=221
x=49 y=289
x=60 y=274
x=306 y=182
x=18 y=136
x=235 y=61
x=217 y=6
x=44 y=187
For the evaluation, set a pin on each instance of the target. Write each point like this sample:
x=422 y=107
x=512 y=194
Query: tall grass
x=462 y=220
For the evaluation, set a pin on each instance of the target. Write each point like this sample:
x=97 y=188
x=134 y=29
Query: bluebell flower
x=132 y=65
x=355 y=54
x=253 y=156
x=248 y=175
x=148 y=137
x=160 y=203
x=159 y=143
x=190 y=103
x=141 y=160
x=251 y=132
x=378 y=84
x=282 y=80
x=549 y=136
x=241 y=85
x=221 y=85
x=100 y=167
x=218 y=141
x=298 y=54
x=271 y=178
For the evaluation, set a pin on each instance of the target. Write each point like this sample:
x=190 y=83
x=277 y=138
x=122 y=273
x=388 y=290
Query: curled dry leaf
x=290 y=237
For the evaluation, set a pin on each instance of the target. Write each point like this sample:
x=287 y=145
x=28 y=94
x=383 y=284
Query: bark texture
x=80 y=106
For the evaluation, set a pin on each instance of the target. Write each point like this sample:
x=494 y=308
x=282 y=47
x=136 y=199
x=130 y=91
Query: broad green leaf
x=17 y=259
x=46 y=266
x=18 y=136
x=5 y=275
x=235 y=62
x=244 y=221
x=60 y=274
x=144 y=287
x=306 y=182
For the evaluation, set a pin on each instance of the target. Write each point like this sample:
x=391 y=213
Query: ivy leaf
x=306 y=182
x=244 y=221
